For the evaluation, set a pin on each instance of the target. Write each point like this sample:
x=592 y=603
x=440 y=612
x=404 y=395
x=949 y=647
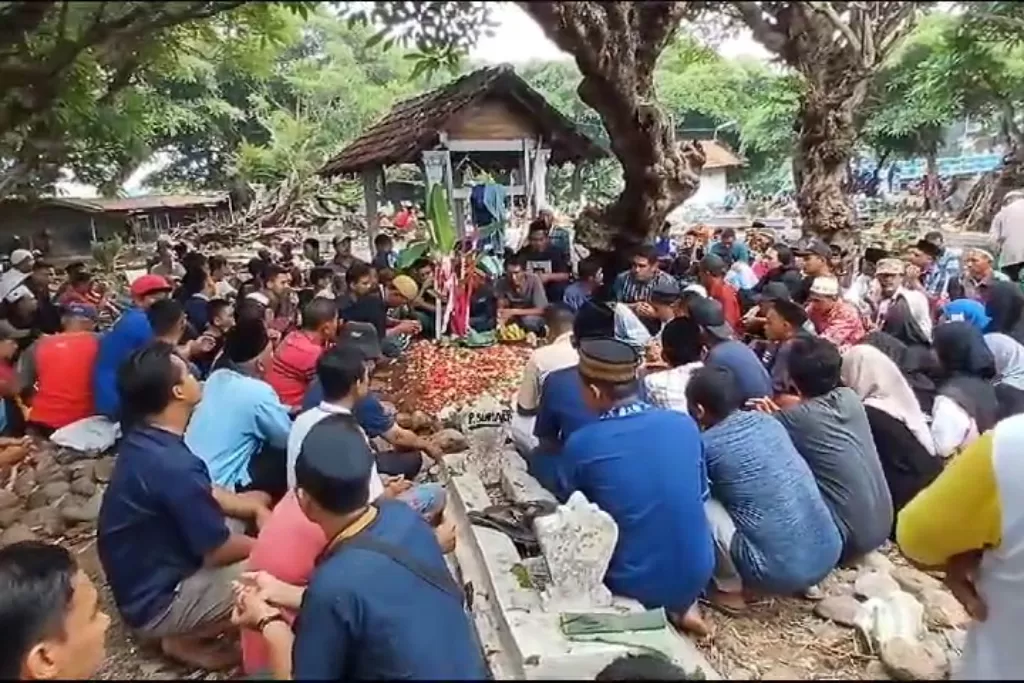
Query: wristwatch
x=266 y=621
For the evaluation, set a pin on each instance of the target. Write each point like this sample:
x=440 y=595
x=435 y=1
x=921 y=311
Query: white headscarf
x=880 y=384
x=1009 y=357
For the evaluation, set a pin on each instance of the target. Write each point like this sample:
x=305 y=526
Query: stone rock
x=781 y=672
x=741 y=674
x=46 y=519
x=872 y=583
x=915 y=582
x=908 y=660
x=25 y=483
x=37 y=499
x=403 y=420
x=877 y=561
x=78 y=509
x=49 y=474
x=578 y=540
x=82 y=468
x=55 y=489
x=83 y=486
x=10 y=515
x=956 y=639
x=942 y=610
x=16 y=534
x=103 y=468
x=451 y=441
x=876 y=671
x=898 y=615
x=842 y=609
x=419 y=421
x=8 y=499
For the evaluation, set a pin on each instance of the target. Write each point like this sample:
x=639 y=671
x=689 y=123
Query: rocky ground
x=57 y=496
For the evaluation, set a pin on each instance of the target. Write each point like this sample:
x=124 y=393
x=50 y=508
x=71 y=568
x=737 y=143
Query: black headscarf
x=1004 y=304
x=917 y=363
x=968 y=368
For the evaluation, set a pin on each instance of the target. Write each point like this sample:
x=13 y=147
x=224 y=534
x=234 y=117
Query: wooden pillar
x=539 y=180
x=370 y=199
x=524 y=172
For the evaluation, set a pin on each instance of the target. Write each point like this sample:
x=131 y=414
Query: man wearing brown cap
x=644 y=466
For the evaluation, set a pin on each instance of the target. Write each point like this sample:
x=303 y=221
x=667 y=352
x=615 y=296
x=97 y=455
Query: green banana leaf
x=441 y=226
x=413 y=252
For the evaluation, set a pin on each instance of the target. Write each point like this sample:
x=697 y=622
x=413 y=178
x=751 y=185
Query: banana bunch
x=511 y=333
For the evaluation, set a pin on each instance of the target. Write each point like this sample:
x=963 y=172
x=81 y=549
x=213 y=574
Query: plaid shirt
x=629 y=290
x=667 y=388
x=842 y=326
x=945 y=271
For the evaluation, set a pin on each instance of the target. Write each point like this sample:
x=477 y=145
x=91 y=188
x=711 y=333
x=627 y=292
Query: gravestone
x=577 y=540
x=485 y=424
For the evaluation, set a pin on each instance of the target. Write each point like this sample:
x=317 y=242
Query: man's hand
x=445 y=533
x=433 y=450
x=503 y=315
x=273 y=335
x=763 y=405
x=645 y=309
x=261 y=516
x=249 y=608
x=267 y=587
x=395 y=486
x=961 y=578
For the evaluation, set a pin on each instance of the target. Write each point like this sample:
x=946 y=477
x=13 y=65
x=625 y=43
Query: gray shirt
x=832 y=434
x=1008 y=231
x=530 y=296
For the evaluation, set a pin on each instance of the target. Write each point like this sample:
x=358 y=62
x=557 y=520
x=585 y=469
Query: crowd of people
x=748 y=421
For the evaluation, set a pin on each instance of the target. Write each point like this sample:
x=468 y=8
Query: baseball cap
x=816 y=247
x=79 y=310
x=405 y=286
x=19 y=256
x=825 y=286
x=360 y=336
x=709 y=315
x=889 y=266
x=775 y=291
x=665 y=292
x=713 y=263
x=149 y=284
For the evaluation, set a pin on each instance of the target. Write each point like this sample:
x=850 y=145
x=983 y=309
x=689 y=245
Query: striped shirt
x=629 y=290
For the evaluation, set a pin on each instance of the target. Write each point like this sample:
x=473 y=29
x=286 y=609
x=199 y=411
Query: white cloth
x=300 y=428
x=919 y=308
x=223 y=290
x=667 y=388
x=952 y=428
x=1009 y=357
x=10 y=280
x=741 y=276
x=880 y=384
x=89 y=435
x=1008 y=231
x=629 y=329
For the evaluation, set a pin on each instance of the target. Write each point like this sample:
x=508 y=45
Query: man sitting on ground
x=761 y=490
x=643 y=466
x=588 y=279
x=681 y=350
x=784 y=323
x=634 y=286
x=240 y=428
x=711 y=271
x=834 y=319
x=295 y=358
x=831 y=431
x=56 y=372
x=54 y=627
x=724 y=351
x=558 y=354
x=351 y=627
x=406 y=460
x=546 y=261
x=166 y=548
x=521 y=298
x=366 y=305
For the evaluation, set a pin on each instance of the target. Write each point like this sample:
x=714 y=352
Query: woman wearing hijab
x=1009 y=382
x=898 y=427
x=1004 y=304
x=966 y=404
x=917 y=363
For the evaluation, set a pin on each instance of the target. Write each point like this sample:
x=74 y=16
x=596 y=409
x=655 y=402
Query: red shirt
x=287 y=548
x=842 y=326
x=63 y=370
x=294 y=365
x=726 y=295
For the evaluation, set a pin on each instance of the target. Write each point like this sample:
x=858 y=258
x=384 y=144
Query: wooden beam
x=370 y=198
x=464 y=192
x=510 y=145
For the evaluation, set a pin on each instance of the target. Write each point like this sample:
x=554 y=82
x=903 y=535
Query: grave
x=519 y=603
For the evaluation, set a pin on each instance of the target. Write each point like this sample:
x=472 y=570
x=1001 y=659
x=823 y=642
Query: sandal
x=515 y=520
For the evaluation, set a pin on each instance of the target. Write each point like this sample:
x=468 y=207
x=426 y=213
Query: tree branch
x=769 y=35
x=826 y=10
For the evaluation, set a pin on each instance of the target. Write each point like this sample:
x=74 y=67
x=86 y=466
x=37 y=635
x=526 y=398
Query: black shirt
x=368 y=309
x=550 y=260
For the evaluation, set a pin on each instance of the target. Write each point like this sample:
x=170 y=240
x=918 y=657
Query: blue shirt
x=130 y=333
x=769 y=491
x=364 y=616
x=560 y=412
x=645 y=469
x=157 y=522
x=576 y=295
x=738 y=252
x=369 y=411
x=237 y=417
x=750 y=373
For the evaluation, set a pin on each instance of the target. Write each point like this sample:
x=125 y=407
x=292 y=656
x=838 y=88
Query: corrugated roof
x=144 y=203
x=719 y=156
x=412 y=126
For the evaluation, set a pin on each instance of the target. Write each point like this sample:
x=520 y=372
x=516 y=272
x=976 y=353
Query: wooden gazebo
x=490 y=119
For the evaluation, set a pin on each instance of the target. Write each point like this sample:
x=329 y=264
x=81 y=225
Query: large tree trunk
x=825 y=143
x=616 y=46
x=986 y=197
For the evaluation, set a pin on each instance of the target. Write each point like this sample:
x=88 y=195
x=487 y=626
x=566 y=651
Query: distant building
x=73 y=223
x=714 y=180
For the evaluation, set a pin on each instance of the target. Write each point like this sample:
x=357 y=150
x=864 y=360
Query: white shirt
x=667 y=388
x=952 y=427
x=557 y=355
x=224 y=290
x=300 y=428
x=919 y=308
